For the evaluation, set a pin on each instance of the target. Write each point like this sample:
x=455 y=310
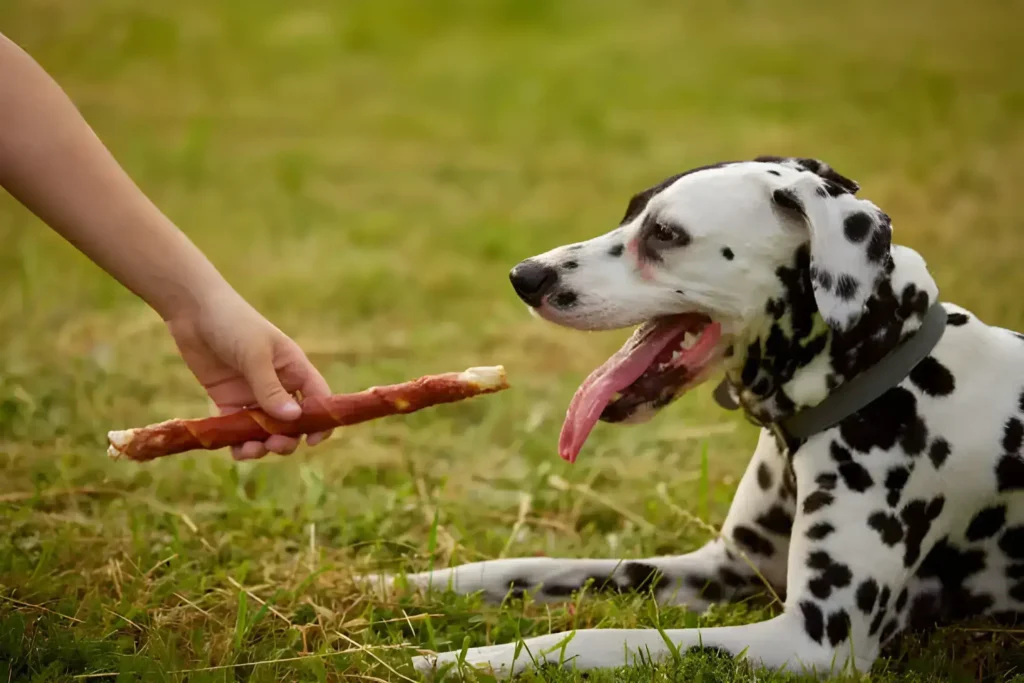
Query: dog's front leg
x=853 y=547
x=751 y=551
x=782 y=642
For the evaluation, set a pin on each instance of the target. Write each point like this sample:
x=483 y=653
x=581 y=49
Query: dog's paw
x=499 y=661
x=378 y=584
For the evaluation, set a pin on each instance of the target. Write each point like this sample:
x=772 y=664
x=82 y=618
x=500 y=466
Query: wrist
x=190 y=294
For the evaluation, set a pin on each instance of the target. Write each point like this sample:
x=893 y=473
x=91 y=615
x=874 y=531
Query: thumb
x=268 y=390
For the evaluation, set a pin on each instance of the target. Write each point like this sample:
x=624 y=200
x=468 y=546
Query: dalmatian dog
x=905 y=513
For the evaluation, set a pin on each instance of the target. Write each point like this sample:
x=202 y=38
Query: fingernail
x=317 y=438
x=291 y=409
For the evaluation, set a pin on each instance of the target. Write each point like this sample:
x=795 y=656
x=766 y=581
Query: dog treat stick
x=318 y=414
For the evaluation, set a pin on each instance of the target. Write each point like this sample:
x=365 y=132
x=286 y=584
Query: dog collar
x=854 y=395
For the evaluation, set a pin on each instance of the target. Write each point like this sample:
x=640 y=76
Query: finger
x=250 y=450
x=315 y=384
x=318 y=437
x=268 y=390
x=282 y=445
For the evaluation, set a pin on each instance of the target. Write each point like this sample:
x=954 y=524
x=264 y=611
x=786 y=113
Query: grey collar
x=865 y=387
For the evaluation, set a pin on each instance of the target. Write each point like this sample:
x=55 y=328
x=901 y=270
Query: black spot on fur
x=518 y=587
x=883 y=597
x=987 y=523
x=833 y=189
x=764 y=476
x=915 y=438
x=819 y=531
x=884 y=422
x=838 y=628
x=753 y=363
x=823 y=278
x=939 y=452
x=924 y=611
x=819 y=559
x=709 y=589
x=776 y=520
x=599 y=584
x=774 y=172
x=752 y=541
x=776 y=308
x=814 y=620
x=867 y=593
x=1010 y=473
x=889 y=629
x=901 y=600
x=1015 y=571
x=933 y=378
x=838 y=453
x=953 y=567
x=878 y=247
x=788 y=200
x=566 y=299
x=888 y=527
x=727 y=253
x=1013 y=435
x=846 y=287
x=832 y=574
x=956 y=319
x=1020 y=402
x=1017 y=592
x=1012 y=543
x=826 y=481
x=895 y=479
x=762 y=387
x=856 y=226
x=917 y=517
x=731 y=578
x=816 y=501
x=643 y=577
x=617 y=250
x=570 y=265
x=876 y=623
x=856 y=477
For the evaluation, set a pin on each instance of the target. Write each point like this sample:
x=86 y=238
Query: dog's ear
x=836 y=183
x=850 y=242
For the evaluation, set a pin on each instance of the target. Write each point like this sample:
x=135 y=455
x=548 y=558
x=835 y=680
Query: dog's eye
x=663 y=233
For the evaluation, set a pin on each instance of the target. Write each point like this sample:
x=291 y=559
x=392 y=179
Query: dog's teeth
x=689 y=339
x=676 y=354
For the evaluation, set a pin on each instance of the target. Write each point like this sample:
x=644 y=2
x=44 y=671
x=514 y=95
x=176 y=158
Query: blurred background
x=366 y=172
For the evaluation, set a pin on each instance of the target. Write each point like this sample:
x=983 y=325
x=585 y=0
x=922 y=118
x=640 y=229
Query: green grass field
x=366 y=172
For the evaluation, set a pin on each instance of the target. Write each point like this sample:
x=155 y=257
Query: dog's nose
x=532 y=280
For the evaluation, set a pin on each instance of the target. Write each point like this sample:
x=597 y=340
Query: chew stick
x=318 y=414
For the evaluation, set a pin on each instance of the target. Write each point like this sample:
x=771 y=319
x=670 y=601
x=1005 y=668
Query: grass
x=366 y=173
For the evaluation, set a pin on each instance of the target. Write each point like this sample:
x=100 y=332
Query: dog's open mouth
x=662 y=359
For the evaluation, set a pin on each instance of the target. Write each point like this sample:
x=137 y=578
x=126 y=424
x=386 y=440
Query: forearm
x=53 y=163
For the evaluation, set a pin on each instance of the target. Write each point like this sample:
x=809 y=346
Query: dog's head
x=701 y=262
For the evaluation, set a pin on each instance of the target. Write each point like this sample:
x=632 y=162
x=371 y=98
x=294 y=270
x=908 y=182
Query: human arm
x=53 y=163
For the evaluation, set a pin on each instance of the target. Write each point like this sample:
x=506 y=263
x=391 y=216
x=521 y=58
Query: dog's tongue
x=617 y=373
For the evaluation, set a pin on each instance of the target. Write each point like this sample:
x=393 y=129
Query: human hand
x=242 y=360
